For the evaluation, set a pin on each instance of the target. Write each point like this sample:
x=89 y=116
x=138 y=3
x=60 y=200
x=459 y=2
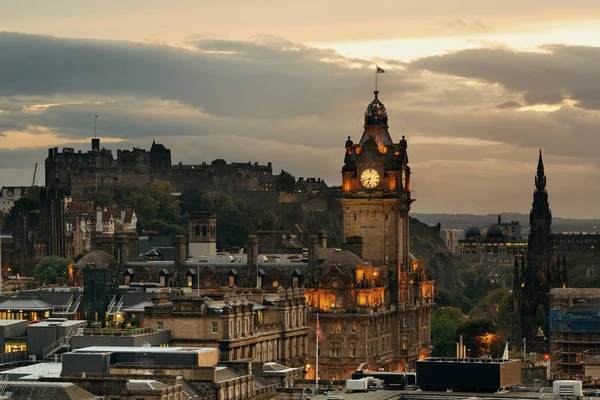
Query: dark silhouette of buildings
x=77 y=173
x=537 y=272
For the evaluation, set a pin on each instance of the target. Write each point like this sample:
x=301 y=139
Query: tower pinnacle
x=540 y=178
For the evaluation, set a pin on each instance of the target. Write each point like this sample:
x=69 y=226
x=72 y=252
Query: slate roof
x=47 y=390
x=25 y=304
x=145 y=384
x=139 y=307
x=223 y=374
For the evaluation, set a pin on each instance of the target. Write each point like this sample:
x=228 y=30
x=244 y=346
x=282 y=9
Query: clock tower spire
x=376 y=194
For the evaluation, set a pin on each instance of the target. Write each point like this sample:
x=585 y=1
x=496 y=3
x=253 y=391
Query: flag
x=96 y=116
x=319 y=333
x=379 y=69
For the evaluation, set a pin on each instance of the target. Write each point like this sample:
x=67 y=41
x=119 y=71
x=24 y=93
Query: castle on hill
x=78 y=173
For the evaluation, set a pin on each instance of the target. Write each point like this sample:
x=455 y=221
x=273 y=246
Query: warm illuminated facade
x=373 y=298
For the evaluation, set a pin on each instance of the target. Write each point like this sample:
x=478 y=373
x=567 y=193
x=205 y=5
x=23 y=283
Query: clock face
x=369 y=178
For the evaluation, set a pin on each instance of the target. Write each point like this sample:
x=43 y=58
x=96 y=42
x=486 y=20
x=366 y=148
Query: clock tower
x=376 y=194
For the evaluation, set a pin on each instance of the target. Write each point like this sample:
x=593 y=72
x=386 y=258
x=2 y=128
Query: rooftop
x=32 y=372
x=57 y=322
x=24 y=304
x=124 y=349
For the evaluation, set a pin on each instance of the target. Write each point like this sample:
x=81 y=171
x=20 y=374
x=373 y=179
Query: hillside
x=426 y=244
x=461 y=221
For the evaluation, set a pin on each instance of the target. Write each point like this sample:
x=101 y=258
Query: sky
x=478 y=87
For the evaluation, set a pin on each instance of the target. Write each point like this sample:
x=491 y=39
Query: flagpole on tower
x=378 y=71
x=95 y=120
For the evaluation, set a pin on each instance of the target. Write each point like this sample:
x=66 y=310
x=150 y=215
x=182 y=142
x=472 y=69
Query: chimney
x=322 y=234
x=252 y=249
x=180 y=249
x=499 y=218
x=50 y=152
x=354 y=244
x=313 y=244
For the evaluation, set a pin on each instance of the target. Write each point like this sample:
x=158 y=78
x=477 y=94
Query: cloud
x=548 y=76
x=471 y=121
x=510 y=104
x=261 y=79
x=463 y=25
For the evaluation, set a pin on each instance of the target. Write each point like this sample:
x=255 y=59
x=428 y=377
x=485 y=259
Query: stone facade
x=243 y=326
x=373 y=299
x=96 y=170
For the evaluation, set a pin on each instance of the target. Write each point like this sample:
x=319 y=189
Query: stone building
x=40 y=232
x=373 y=298
x=538 y=272
x=258 y=326
x=78 y=173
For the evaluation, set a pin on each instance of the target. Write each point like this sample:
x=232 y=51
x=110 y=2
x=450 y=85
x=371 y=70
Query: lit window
x=353 y=328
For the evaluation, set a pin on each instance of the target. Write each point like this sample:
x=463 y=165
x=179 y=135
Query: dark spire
x=540 y=178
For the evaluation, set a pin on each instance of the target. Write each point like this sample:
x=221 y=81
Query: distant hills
x=461 y=221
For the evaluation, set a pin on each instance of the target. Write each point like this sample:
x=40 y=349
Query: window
x=159 y=325
x=334 y=350
x=340 y=302
x=332 y=301
x=353 y=327
x=352 y=350
x=204 y=231
x=259 y=281
x=215 y=327
x=336 y=327
x=189 y=280
x=355 y=217
x=295 y=281
x=197 y=230
x=231 y=280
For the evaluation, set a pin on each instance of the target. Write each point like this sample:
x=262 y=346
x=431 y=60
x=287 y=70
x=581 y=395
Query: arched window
x=197 y=230
x=204 y=231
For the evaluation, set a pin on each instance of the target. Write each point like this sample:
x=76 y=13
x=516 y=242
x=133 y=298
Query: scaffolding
x=573 y=332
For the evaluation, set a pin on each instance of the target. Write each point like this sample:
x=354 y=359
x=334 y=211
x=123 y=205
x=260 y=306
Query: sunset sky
x=477 y=87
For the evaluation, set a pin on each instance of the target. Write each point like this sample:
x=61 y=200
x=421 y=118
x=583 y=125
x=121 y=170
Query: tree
x=155 y=206
x=269 y=220
x=444 y=324
x=285 y=181
x=101 y=199
x=479 y=335
x=52 y=270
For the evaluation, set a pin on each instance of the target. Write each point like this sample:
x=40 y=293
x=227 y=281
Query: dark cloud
x=534 y=98
x=552 y=74
x=509 y=104
x=264 y=79
x=273 y=100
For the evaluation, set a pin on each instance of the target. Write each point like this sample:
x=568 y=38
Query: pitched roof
x=225 y=374
x=25 y=304
x=48 y=390
x=145 y=384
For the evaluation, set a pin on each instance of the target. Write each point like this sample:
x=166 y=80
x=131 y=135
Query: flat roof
x=7 y=322
x=125 y=349
x=47 y=323
x=34 y=371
